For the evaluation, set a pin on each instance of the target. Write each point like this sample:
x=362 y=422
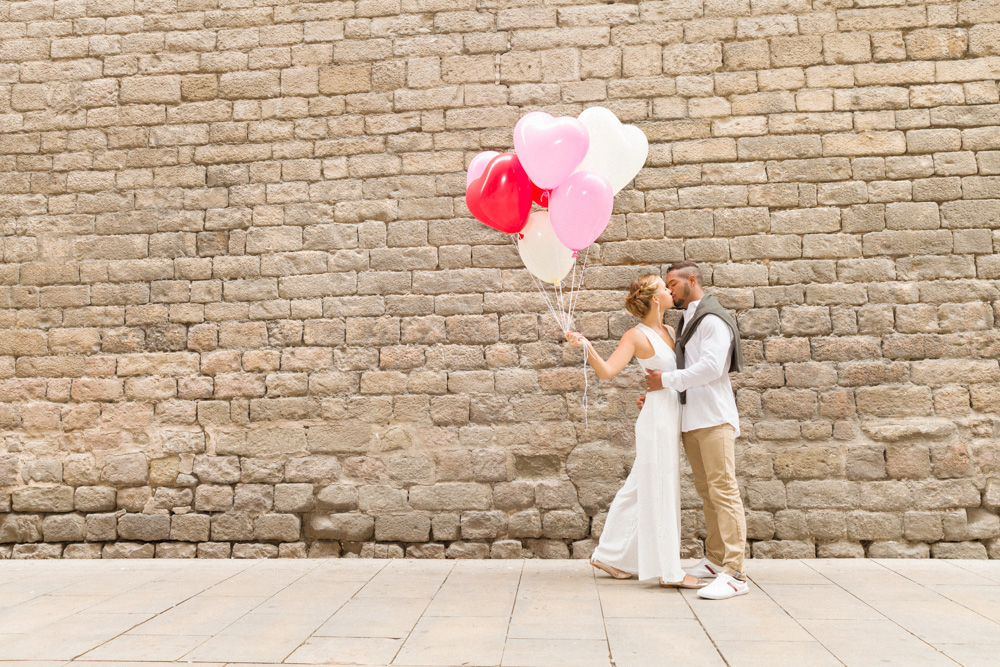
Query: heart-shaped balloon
x=616 y=151
x=542 y=253
x=580 y=209
x=550 y=148
x=478 y=166
x=501 y=196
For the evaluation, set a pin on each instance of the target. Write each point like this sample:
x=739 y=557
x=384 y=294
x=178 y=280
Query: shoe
x=704 y=569
x=724 y=587
x=613 y=571
x=687 y=582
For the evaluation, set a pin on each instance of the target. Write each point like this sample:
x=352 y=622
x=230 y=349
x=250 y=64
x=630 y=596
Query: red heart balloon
x=539 y=196
x=501 y=196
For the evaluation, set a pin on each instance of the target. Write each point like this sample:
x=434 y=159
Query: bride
x=642 y=532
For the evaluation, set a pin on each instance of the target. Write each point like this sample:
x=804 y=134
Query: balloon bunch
x=571 y=168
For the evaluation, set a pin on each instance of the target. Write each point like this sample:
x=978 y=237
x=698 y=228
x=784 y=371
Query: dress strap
x=654 y=338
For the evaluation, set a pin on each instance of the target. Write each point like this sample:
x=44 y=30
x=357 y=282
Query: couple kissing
x=689 y=399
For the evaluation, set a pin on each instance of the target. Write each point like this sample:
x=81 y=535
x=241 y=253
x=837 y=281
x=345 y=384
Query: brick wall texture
x=244 y=310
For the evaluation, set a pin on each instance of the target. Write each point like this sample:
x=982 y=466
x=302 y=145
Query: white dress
x=642 y=534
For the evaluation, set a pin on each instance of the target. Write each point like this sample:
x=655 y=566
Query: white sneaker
x=704 y=569
x=724 y=587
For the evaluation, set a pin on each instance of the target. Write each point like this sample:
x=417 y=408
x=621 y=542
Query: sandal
x=613 y=571
x=684 y=583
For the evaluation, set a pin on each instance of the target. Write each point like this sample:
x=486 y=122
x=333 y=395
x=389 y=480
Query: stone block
x=840 y=550
x=232 y=526
x=565 y=524
x=293 y=497
x=16 y=528
x=253 y=498
x=277 y=527
x=125 y=470
x=82 y=551
x=892 y=549
x=255 y=551
x=42 y=499
x=214 y=550
x=959 y=550
x=783 y=549
x=337 y=498
x=446 y=526
x=468 y=550
x=213 y=498
x=346 y=527
x=36 y=551
x=190 y=527
x=450 y=496
x=176 y=550
x=409 y=527
x=144 y=527
x=217 y=469
x=94 y=498
x=64 y=528
x=128 y=550
x=312 y=469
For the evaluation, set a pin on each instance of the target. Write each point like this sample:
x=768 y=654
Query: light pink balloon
x=550 y=149
x=580 y=209
x=478 y=166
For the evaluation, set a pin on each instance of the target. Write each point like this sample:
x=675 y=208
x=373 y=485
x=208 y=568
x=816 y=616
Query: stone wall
x=245 y=311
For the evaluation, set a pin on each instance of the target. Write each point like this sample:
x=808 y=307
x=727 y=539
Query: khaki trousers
x=712 y=454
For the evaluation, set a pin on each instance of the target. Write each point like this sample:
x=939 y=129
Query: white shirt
x=710 y=400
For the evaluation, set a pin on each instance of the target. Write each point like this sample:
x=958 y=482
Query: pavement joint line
x=797 y=622
x=899 y=625
x=604 y=618
x=702 y=625
x=235 y=574
x=513 y=605
x=257 y=564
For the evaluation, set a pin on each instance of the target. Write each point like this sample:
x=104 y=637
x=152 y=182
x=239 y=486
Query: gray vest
x=709 y=305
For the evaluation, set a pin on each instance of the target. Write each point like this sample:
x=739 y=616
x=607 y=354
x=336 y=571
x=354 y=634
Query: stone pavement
x=536 y=613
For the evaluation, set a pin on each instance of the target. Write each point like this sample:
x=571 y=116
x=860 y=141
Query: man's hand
x=653 y=380
x=641 y=401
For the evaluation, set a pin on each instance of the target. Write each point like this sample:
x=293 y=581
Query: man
x=708 y=348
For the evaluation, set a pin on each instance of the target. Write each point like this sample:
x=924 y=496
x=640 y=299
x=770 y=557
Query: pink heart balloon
x=550 y=149
x=580 y=209
x=478 y=166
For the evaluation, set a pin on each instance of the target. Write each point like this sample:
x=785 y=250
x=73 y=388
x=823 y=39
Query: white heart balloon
x=616 y=151
x=542 y=253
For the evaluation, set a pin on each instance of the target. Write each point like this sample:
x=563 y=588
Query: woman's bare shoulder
x=633 y=335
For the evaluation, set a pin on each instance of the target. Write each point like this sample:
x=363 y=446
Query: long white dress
x=642 y=534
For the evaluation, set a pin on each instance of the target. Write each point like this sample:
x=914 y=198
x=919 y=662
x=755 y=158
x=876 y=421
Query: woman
x=643 y=528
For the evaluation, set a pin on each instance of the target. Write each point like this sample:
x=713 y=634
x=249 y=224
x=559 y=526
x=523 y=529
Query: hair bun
x=640 y=294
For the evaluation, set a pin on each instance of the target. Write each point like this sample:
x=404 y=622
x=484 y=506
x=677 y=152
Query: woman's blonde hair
x=640 y=293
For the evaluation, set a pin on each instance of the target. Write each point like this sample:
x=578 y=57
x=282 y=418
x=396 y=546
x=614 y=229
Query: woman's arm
x=716 y=340
x=616 y=362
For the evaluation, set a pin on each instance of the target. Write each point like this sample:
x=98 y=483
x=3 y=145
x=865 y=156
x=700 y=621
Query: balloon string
x=575 y=295
x=541 y=289
x=586 y=385
x=574 y=298
x=564 y=319
x=572 y=291
x=562 y=307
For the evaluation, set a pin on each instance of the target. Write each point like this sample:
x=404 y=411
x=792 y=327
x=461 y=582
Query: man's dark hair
x=686 y=270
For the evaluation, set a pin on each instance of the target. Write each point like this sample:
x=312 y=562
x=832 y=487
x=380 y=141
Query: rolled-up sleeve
x=714 y=340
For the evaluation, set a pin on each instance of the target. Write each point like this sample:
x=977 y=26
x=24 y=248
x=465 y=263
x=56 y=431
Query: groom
x=708 y=348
